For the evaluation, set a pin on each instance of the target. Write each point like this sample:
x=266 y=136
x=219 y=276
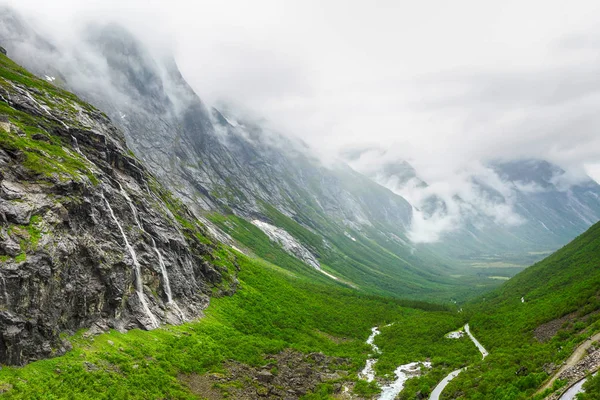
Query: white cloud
x=444 y=85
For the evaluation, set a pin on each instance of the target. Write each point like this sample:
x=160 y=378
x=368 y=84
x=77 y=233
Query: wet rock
x=89 y=366
x=40 y=137
x=63 y=233
x=8 y=246
x=5 y=124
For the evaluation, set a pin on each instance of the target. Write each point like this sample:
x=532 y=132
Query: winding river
x=407 y=371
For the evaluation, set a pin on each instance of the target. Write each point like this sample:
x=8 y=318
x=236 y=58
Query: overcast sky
x=439 y=83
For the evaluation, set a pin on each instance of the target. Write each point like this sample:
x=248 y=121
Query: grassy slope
x=375 y=268
x=567 y=281
x=274 y=309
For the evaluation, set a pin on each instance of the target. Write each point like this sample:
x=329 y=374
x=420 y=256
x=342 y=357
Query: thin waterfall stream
x=163 y=268
x=139 y=288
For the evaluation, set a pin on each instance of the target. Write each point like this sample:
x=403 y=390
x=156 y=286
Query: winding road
x=437 y=391
x=577 y=355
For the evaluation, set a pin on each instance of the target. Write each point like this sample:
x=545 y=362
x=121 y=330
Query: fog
x=447 y=86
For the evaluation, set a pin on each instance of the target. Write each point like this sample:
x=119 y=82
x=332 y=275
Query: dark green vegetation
x=283 y=303
x=44 y=153
x=566 y=283
x=592 y=389
x=274 y=309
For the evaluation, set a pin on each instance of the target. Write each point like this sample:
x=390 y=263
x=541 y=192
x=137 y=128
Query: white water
x=403 y=373
x=166 y=284
x=139 y=288
x=437 y=391
x=368 y=373
x=482 y=349
x=131 y=206
x=163 y=268
x=574 y=390
x=4 y=288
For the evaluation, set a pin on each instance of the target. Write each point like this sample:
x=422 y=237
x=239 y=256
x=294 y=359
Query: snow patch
x=49 y=78
x=349 y=236
x=290 y=245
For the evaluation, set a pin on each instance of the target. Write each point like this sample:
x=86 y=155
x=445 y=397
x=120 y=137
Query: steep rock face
x=87 y=235
x=210 y=160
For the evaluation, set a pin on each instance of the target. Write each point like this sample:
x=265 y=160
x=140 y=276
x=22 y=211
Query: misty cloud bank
x=450 y=90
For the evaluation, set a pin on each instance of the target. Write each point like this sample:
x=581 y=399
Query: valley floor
x=241 y=340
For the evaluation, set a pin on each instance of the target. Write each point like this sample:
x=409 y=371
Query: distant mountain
x=535 y=208
x=217 y=160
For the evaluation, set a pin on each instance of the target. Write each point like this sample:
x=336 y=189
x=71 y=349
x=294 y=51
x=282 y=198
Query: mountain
x=88 y=236
x=512 y=213
x=92 y=246
x=359 y=229
x=216 y=161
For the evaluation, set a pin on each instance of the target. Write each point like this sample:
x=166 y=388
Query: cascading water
x=139 y=288
x=4 y=289
x=368 y=373
x=403 y=373
x=163 y=268
x=166 y=284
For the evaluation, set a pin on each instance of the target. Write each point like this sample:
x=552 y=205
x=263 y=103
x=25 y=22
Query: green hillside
x=274 y=309
x=566 y=284
x=371 y=264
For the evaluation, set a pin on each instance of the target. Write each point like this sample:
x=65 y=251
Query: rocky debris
x=5 y=123
x=2 y=50
x=574 y=374
x=287 y=375
x=546 y=331
x=549 y=368
x=579 y=370
x=549 y=329
x=64 y=264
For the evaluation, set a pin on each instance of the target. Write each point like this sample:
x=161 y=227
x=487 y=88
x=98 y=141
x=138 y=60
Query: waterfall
x=4 y=288
x=167 y=286
x=163 y=268
x=139 y=288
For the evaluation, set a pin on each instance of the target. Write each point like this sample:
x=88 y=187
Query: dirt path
x=577 y=355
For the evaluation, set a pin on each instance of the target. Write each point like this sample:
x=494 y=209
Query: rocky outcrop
x=577 y=372
x=288 y=243
x=87 y=236
x=287 y=375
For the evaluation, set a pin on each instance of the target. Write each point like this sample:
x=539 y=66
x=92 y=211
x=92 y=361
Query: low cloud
x=448 y=91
